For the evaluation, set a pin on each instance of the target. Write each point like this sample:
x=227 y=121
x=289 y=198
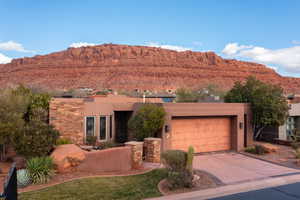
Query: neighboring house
x=286 y=131
x=294 y=98
x=206 y=126
x=293 y=122
x=166 y=98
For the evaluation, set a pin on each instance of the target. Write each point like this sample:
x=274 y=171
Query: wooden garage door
x=204 y=134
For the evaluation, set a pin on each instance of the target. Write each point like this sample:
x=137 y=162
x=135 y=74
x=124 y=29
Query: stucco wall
x=295 y=109
x=108 y=160
x=234 y=110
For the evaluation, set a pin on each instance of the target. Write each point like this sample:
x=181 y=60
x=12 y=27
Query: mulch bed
x=205 y=181
x=283 y=156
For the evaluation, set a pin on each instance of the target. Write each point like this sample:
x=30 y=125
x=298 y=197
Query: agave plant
x=40 y=169
x=23 y=178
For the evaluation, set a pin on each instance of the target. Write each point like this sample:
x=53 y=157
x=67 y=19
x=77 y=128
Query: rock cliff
x=130 y=67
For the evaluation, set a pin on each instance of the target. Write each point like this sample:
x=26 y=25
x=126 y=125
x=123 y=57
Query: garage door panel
x=205 y=134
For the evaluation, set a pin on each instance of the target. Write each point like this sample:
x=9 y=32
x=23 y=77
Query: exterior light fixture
x=167 y=128
x=241 y=125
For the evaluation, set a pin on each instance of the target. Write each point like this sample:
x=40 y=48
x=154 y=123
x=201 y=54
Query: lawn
x=105 y=188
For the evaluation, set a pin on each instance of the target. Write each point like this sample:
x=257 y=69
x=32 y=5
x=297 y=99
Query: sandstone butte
x=126 y=67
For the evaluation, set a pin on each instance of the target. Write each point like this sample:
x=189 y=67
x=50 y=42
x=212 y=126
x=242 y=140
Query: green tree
x=12 y=108
x=38 y=105
x=186 y=95
x=147 y=121
x=24 y=121
x=36 y=139
x=268 y=104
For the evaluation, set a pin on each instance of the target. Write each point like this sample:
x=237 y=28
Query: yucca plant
x=40 y=169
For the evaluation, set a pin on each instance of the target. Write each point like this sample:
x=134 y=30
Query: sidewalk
x=233 y=189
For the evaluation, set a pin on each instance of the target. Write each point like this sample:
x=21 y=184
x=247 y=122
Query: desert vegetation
x=268 y=103
x=147 y=122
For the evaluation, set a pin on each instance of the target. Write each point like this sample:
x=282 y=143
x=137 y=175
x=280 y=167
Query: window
x=290 y=123
x=102 y=127
x=110 y=127
x=90 y=126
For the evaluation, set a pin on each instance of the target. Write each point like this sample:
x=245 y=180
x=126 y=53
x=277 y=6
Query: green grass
x=126 y=187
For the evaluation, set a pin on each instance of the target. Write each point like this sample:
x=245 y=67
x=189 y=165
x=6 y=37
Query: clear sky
x=264 y=31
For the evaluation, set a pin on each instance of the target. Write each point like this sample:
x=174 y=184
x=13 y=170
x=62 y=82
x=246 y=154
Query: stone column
x=152 y=149
x=137 y=154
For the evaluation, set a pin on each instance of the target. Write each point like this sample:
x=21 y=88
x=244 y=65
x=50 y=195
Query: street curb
x=233 y=189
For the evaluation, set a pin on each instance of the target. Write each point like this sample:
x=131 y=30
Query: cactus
x=23 y=178
x=189 y=160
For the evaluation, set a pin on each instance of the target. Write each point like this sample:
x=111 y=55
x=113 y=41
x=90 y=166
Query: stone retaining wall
x=152 y=148
x=66 y=115
x=136 y=154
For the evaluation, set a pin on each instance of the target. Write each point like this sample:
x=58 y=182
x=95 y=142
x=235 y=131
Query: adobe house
x=206 y=126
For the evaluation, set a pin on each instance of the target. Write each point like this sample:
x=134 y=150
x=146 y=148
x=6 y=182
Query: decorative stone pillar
x=152 y=149
x=136 y=153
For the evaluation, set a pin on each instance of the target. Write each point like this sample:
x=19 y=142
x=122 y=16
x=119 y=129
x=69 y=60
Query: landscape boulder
x=67 y=157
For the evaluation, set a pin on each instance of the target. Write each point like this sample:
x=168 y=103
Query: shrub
x=250 y=150
x=147 y=121
x=180 y=168
x=23 y=178
x=175 y=160
x=91 y=140
x=37 y=139
x=257 y=149
x=61 y=141
x=109 y=144
x=19 y=107
x=40 y=169
x=180 y=179
x=297 y=153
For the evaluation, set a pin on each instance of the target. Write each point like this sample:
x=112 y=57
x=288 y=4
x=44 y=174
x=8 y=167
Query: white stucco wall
x=295 y=109
x=282 y=132
x=293 y=112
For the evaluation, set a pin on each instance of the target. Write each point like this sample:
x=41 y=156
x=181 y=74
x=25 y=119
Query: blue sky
x=256 y=30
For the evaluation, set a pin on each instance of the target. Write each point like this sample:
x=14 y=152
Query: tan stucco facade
x=69 y=115
x=238 y=113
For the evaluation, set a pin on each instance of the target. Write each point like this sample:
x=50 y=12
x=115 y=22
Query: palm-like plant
x=40 y=169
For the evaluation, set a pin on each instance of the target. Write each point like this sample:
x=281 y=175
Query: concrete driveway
x=233 y=168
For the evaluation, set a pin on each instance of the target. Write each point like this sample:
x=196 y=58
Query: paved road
x=285 y=192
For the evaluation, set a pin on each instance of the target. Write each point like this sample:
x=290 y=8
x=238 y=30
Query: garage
x=205 y=134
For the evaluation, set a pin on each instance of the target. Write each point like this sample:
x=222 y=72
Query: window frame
x=85 y=125
x=106 y=126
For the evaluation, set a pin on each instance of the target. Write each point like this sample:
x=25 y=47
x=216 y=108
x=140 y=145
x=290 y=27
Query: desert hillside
x=130 y=67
